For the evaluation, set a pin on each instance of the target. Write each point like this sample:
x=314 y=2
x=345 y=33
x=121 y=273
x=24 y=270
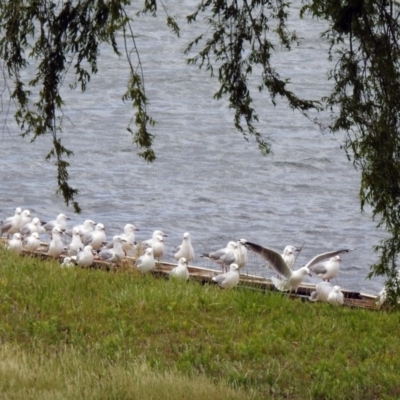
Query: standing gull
x=185 y=249
x=34 y=226
x=116 y=254
x=241 y=253
x=76 y=243
x=229 y=279
x=56 y=246
x=146 y=262
x=11 y=225
x=129 y=245
x=292 y=278
x=328 y=270
x=25 y=219
x=223 y=257
x=156 y=233
x=158 y=247
x=60 y=222
x=288 y=255
x=85 y=228
x=181 y=270
x=96 y=238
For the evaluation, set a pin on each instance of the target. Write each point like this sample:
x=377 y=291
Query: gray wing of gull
x=6 y=226
x=215 y=255
x=319 y=269
x=228 y=258
x=106 y=254
x=219 y=279
x=87 y=239
x=50 y=225
x=324 y=256
x=25 y=230
x=274 y=259
x=139 y=261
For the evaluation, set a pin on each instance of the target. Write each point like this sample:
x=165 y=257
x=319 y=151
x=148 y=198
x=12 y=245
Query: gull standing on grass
x=15 y=244
x=185 y=249
x=146 y=263
x=56 y=246
x=228 y=280
x=180 y=271
x=31 y=242
x=11 y=225
x=292 y=279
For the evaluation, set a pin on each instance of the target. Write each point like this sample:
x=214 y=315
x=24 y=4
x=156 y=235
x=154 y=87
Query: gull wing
x=274 y=259
x=324 y=256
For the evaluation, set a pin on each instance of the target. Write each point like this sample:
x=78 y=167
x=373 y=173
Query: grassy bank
x=74 y=333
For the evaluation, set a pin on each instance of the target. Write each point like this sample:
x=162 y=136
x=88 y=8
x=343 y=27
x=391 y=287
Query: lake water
x=207 y=179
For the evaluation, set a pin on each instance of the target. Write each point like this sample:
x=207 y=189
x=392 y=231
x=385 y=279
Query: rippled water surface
x=207 y=179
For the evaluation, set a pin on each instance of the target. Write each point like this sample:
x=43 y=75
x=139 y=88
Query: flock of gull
x=83 y=244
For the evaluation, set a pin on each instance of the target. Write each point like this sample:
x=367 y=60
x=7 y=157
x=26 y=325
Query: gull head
x=182 y=261
x=305 y=271
x=100 y=227
x=159 y=239
x=290 y=250
x=130 y=228
x=62 y=217
x=232 y=245
x=234 y=267
x=56 y=230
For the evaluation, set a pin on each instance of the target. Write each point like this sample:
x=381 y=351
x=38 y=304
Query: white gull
x=185 y=249
x=292 y=279
x=229 y=279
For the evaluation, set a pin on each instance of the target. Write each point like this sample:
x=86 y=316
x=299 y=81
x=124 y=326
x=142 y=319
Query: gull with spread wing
x=292 y=279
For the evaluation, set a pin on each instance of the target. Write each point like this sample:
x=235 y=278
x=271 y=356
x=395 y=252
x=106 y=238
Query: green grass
x=78 y=333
